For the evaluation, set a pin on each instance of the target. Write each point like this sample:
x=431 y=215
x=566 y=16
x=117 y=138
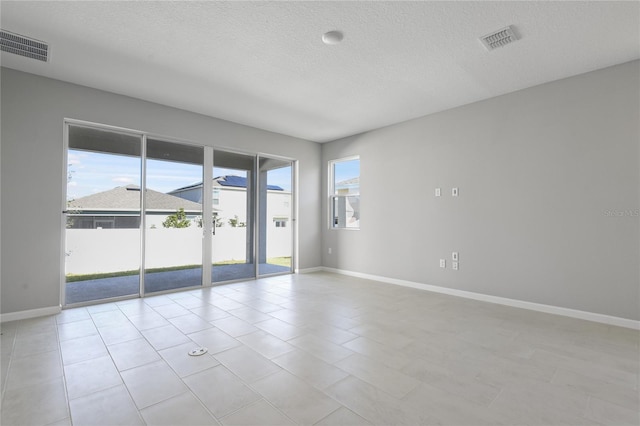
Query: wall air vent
x=499 y=38
x=24 y=46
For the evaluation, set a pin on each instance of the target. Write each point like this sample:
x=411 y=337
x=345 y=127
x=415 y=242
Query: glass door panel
x=233 y=193
x=275 y=216
x=102 y=235
x=173 y=216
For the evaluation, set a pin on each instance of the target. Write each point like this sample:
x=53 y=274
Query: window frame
x=332 y=195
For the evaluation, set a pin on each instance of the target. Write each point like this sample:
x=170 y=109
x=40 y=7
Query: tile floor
x=316 y=349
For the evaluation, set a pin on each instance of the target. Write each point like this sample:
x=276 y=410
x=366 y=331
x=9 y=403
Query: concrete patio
x=104 y=288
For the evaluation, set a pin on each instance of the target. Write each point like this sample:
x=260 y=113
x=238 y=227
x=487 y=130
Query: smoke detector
x=499 y=38
x=24 y=46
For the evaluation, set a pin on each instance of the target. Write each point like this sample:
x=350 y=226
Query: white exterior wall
x=112 y=250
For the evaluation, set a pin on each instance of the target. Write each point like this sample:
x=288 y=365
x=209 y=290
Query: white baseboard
x=549 y=309
x=31 y=313
x=310 y=270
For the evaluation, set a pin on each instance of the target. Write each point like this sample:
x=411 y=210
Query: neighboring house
x=349 y=206
x=120 y=208
x=230 y=200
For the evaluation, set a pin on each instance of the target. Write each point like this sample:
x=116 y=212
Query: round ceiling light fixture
x=332 y=37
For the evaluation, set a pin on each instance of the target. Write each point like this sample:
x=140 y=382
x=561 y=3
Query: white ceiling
x=263 y=64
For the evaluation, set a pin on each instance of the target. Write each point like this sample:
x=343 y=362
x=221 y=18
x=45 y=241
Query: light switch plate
x=454 y=192
x=437 y=192
x=454 y=256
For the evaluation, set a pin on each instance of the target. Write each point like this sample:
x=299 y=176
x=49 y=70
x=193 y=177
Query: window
x=280 y=222
x=344 y=193
x=216 y=196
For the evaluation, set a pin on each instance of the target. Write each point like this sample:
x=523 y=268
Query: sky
x=91 y=172
x=344 y=170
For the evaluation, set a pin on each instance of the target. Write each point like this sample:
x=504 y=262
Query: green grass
x=84 y=277
x=281 y=261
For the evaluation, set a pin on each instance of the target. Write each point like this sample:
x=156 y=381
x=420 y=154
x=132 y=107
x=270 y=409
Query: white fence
x=111 y=250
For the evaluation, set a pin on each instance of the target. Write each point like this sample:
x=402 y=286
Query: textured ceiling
x=263 y=64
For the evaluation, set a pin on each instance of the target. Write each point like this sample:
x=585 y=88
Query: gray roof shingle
x=128 y=198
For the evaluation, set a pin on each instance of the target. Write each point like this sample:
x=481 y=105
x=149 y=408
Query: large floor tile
x=297 y=399
x=82 y=349
x=119 y=333
x=220 y=391
x=609 y=413
x=108 y=317
x=391 y=381
x=183 y=409
x=73 y=330
x=343 y=417
x=31 y=370
x=132 y=353
x=257 y=413
x=249 y=315
x=214 y=340
x=184 y=364
x=246 y=363
x=71 y=315
x=620 y=395
x=450 y=409
x=148 y=321
x=31 y=343
x=323 y=349
x=234 y=327
x=266 y=344
x=310 y=369
x=379 y=352
x=374 y=405
x=165 y=337
x=280 y=329
x=171 y=310
x=40 y=404
x=89 y=376
x=152 y=383
x=109 y=407
x=210 y=313
x=542 y=403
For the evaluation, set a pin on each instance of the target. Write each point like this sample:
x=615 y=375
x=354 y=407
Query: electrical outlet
x=437 y=192
x=454 y=256
x=454 y=192
x=454 y=265
x=443 y=263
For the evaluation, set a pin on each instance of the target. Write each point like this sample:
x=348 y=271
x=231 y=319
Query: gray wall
x=33 y=109
x=540 y=172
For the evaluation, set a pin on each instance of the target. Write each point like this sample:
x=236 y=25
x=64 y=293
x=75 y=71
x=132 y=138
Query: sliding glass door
x=146 y=215
x=173 y=215
x=233 y=199
x=275 y=227
x=103 y=212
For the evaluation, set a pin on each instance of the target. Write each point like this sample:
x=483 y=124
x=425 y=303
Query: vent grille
x=23 y=46
x=499 y=38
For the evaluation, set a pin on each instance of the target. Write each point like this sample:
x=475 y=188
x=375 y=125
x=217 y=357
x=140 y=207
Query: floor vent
x=499 y=38
x=24 y=46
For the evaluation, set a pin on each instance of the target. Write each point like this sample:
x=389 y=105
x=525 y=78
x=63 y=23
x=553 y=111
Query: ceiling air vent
x=499 y=38
x=23 y=46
